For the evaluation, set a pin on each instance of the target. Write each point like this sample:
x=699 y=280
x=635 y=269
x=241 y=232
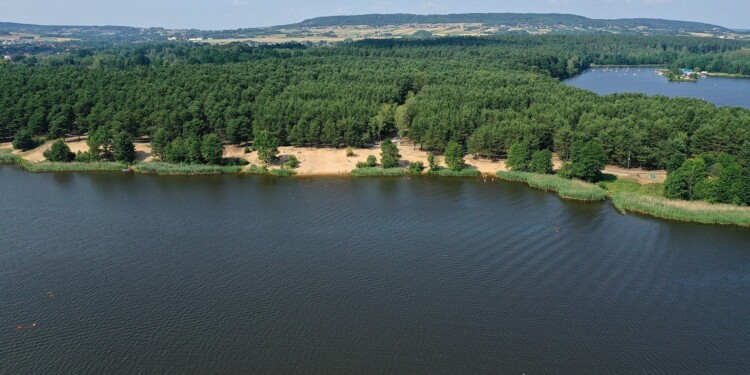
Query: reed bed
x=70 y=167
x=445 y=172
x=692 y=211
x=184 y=169
x=568 y=189
x=378 y=172
x=282 y=172
x=263 y=170
x=8 y=158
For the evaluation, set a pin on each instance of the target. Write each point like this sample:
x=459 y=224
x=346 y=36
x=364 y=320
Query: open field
x=24 y=37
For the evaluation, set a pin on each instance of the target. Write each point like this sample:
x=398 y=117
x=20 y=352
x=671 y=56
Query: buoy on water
x=20 y=328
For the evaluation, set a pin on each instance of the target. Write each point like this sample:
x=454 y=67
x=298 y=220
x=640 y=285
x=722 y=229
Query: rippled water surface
x=254 y=275
x=720 y=91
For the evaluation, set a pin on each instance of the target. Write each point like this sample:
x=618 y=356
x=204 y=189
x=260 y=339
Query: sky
x=232 y=14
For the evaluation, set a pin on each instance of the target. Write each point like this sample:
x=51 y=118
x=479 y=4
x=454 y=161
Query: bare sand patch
x=642 y=176
x=77 y=144
x=36 y=155
x=143 y=152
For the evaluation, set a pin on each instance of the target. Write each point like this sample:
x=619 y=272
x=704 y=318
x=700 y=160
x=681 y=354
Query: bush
x=432 y=162
x=349 y=152
x=254 y=169
x=59 y=152
x=85 y=157
x=24 y=140
x=415 y=168
x=291 y=162
x=246 y=150
x=234 y=161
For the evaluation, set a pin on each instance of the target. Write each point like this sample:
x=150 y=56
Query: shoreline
x=624 y=201
x=325 y=162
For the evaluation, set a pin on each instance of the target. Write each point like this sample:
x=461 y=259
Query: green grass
x=184 y=169
x=648 y=199
x=263 y=170
x=282 y=172
x=254 y=169
x=7 y=158
x=699 y=212
x=446 y=172
x=70 y=167
x=378 y=171
x=568 y=189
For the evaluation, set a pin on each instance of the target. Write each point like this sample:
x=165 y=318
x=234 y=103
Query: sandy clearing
x=36 y=155
x=642 y=176
x=78 y=144
x=333 y=161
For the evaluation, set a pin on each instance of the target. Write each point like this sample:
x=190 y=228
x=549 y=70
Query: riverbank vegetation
x=565 y=188
x=184 y=169
x=699 y=212
x=378 y=172
x=48 y=166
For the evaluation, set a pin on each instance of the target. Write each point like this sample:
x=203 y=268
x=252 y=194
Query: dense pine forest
x=485 y=94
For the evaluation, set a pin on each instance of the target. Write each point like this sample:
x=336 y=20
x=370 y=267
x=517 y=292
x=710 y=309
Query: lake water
x=232 y=274
x=720 y=91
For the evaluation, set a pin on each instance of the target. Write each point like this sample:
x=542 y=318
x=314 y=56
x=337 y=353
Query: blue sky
x=228 y=14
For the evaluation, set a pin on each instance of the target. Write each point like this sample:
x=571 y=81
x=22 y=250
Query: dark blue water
x=720 y=91
x=252 y=275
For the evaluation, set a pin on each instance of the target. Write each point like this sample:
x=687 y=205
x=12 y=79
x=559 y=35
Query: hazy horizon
x=233 y=14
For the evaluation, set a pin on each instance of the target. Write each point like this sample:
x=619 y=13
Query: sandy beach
x=333 y=161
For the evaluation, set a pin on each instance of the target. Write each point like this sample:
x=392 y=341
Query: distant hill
x=123 y=33
x=510 y=19
x=349 y=28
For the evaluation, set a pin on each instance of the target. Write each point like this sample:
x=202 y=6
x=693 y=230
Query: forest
x=486 y=94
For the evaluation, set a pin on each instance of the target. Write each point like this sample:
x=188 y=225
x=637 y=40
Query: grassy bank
x=69 y=167
x=184 y=169
x=8 y=158
x=263 y=170
x=445 y=172
x=699 y=212
x=378 y=172
x=568 y=189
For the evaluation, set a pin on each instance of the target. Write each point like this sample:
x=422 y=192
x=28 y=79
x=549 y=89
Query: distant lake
x=134 y=274
x=720 y=91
